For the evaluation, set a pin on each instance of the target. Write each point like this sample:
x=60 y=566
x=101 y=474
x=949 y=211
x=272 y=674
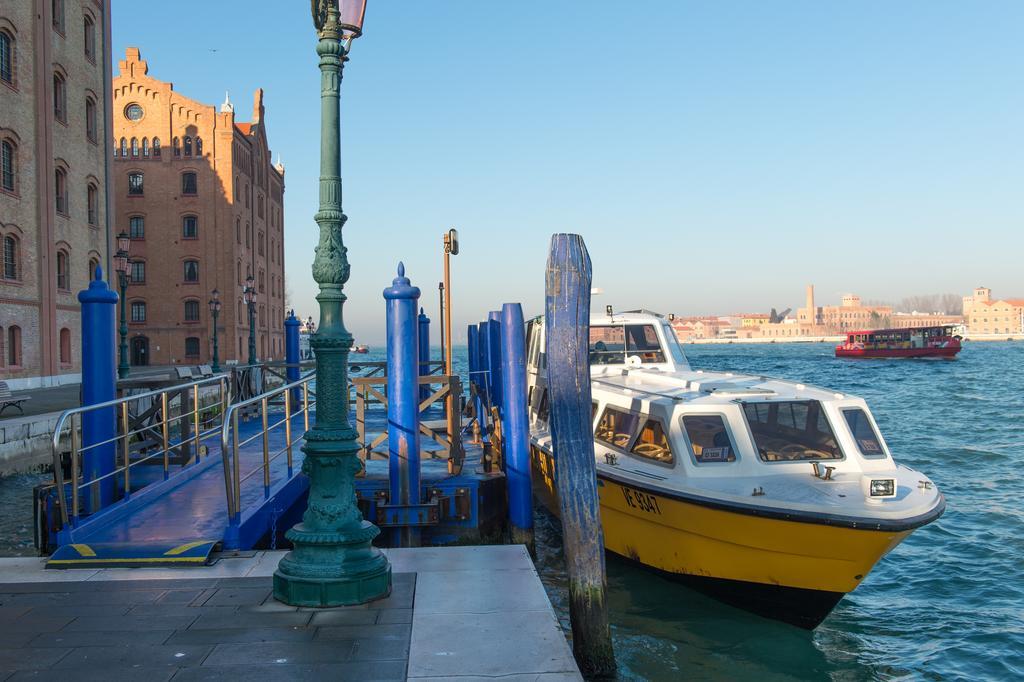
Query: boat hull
x=948 y=352
x=789 y=570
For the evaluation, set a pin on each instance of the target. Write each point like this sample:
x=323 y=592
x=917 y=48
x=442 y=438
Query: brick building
x=204 y=206
x=54 y=135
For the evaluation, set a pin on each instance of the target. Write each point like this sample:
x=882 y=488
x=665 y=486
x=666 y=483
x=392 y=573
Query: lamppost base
x=332 y=568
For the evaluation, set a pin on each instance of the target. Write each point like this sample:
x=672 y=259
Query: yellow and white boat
x=773 y=496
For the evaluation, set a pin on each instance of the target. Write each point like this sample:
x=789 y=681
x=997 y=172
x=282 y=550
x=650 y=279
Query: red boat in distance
x=915 y=342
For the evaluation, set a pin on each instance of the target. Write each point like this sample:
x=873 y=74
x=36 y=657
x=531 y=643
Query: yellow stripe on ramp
x=181 y=549
x=84 y=550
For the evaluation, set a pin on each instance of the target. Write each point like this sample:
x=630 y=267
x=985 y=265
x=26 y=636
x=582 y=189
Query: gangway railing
x=144 y=421
x=275 y=409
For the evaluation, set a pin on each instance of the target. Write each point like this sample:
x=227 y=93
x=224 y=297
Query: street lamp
x=332 y=562
x=249 y=296
x=122 y=264
x=214 y=304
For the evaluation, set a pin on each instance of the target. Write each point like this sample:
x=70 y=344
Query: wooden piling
x=567 y=324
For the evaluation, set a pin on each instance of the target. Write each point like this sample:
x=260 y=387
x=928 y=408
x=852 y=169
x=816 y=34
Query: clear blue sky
x=717 y=155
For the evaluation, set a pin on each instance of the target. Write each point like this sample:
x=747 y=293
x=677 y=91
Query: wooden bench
x=7 y=400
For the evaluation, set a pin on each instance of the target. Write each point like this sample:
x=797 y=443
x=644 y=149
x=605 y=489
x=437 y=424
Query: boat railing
x=147 y=427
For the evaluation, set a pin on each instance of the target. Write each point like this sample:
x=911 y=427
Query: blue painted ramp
x=190 y=507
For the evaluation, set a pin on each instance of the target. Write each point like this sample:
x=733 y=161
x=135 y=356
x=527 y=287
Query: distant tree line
x=947 y=304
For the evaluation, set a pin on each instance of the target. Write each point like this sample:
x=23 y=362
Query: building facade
x=203 y=205
x=55 y=129
x=985 y=315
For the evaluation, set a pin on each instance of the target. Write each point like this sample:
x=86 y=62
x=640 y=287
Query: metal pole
x=216 y=347
x=252 y=332
x=291 y=351
x=424 y=350
x=123 y=367
x=403 y=400
x=99 y=385
x=332 y=562
x=516 y=425
x=440 y=312
x=164 y=434
x=567 y=324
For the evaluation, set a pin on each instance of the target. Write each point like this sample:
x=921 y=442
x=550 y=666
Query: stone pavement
x=468 y=613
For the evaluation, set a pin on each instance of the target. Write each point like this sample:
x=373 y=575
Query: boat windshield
x=674 y=348
x=793 y=430
x=613 y=344
x=864 y=433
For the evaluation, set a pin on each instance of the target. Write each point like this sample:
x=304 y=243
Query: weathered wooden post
x=567 y=324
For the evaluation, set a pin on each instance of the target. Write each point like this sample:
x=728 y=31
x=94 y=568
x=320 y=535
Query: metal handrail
x=230 y=442
x=68 y=418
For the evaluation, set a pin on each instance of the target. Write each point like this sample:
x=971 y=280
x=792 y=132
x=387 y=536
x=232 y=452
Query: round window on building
x=133 y=112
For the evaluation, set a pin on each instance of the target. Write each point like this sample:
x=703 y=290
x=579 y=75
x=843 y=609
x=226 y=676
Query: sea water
x=948 y=603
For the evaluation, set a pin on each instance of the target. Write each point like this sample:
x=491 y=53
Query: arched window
x=175 y=148
x=65 y=346
x=247 y=196
x=63 y=275
x=191 y=311
x=262 y=283
x=137 y=227
x=6 y=58
x=8 y=165
x=191 y=271
x=138 y=271
x=238 y=190
x=199 y=146
x=238 y=269
x=61 y=190
x=14 y=346
x=138 y=311
x=156 y=147
x=90 y=38
x=135 y=184
x=259 y=206
x=92 y=202
x=60 y=98
x=145 y=146
x=259 y=243
x=135 y=146
x=124 y=147
x=248 y=235
x=192 y=347
x=238 y=230
x=190 y=227
x=90 y=119
x=58 y=14
x=93 y=264
x=189 y=184
x=12 y=266
x=188 y=146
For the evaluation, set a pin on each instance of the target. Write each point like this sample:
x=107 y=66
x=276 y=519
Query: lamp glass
x=121 y=262
x=352 y=13
x=123 y=242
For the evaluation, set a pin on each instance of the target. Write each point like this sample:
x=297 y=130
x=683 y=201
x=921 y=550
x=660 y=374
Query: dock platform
x=463 y=613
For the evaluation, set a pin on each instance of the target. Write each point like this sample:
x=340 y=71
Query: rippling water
x=948 y=603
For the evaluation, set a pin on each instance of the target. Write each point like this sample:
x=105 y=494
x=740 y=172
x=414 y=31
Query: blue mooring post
x=424 y=345
x=516 y=425
x=567 y=325
x=291 y=355
x=475 y=378
x=484 y=377
x=403 y=401
x=494 y=337
x=99 y=385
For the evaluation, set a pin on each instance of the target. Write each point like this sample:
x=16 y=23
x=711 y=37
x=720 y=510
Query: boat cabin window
x=674 y=348
x=611 y=345
x=652 y=443
x=864 y=433
x=794 y=430
x=709 y=439
x=544 y=409
x=616 y=427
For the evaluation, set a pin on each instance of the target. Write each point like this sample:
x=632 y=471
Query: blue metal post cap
x=423 y=316
x=291 y=320
x=98 y=291
x=401 y=287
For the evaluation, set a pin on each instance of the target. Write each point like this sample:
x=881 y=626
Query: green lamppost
x=123 y=267
x=333 y=562
x=249 y=296
x=214 y=304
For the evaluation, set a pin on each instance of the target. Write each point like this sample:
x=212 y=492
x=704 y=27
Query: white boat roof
x=701 y=386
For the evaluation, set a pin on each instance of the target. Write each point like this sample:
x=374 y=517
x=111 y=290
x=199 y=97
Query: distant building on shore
x=54 y=146
x=198 y=194
x=987 y=316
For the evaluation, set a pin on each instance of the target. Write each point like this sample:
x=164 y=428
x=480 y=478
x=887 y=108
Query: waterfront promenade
x=466 y=613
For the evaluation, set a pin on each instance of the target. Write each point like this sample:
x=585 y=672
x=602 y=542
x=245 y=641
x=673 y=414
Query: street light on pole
x=249 y=296
x=123 y=266
x=214 y=304
x=332 y=562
